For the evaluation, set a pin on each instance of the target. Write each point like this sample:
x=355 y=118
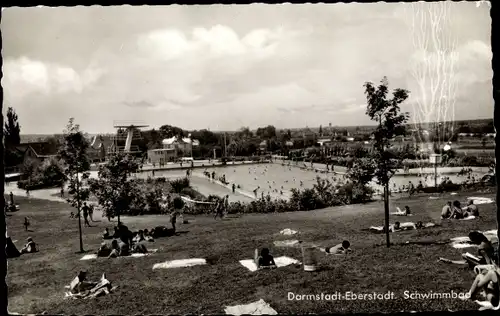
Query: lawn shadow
x=84 y=252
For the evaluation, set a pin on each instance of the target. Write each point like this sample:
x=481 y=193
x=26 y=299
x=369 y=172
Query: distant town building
x=180 y=144
x=324 y=141
x=38 y=151
x=263 y=145
x=162 y=155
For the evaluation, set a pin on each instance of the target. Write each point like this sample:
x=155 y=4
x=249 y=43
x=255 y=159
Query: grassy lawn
x=36 y=281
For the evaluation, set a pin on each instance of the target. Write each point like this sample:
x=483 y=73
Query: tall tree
x=113 y=186
x=73 y=153
x=12 y=130
x=391 y=122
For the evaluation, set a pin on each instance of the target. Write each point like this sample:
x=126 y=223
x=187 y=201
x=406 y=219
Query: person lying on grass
x=488 y=284
x=485 y=250
x=265 y=260
x=30 y=247
x=340 y=249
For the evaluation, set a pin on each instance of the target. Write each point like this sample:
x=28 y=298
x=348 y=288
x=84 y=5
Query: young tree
x=12 y=138
x=113 y=187
x=73 y=153
x=391 y=122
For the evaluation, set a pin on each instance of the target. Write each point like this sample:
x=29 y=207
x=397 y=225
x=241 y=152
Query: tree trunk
x=79 y=213
x=3 y=225
x=386 y=211
x=496 y=121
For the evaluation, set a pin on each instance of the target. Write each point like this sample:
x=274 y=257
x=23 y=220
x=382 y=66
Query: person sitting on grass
x=30 y=247
x=139 y=237
x=485 y=250
x=407 y=210
x=119 y=249
x=265 y=260
x=147 y=236
x=456 y=211
x=487 y=283
x=340 y=249
x=139 y=248
x=446 y=211
x=420 y=187
x=472 y=208
x=105 y=234
x=104 y=250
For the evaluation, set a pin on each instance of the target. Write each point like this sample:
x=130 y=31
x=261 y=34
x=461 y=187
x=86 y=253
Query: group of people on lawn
x=266 y=261
x=126 y=242
x=456 y=211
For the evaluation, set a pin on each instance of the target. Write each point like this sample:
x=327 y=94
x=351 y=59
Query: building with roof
x=38 y=151
x=181 y=145
x=162 y=155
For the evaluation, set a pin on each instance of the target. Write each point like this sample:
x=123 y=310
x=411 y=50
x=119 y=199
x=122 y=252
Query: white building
x=323 y=142
x=161 y=155
x=180 y=144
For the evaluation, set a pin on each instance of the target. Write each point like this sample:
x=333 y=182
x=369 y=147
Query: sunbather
x=139 y=248
x=485 y=249
x=80 y=284
x=106 y=234
x=104 y=250
x=147 y=236
x=139 y=237
x=457 y=212
x=340 y=249
x=446 y=211
x=472 y=209
x=119 y=249
x=265 y=260
x=30 y=247
x=488 y=283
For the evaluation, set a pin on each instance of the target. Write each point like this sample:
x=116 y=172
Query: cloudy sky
x=223 y=67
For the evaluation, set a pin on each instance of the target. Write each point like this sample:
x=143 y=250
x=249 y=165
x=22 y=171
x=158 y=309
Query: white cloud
x=24 y=76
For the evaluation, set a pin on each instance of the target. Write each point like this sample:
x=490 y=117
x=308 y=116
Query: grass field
x=36 y=281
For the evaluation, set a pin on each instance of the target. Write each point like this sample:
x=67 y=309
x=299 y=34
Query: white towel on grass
x=463 y=245
x=288 y=231
x=134 y=255
x=468 y=218
x=183 y=263
x=280 y=262
x=285 y=243
x=481 y=200
x=256 y=308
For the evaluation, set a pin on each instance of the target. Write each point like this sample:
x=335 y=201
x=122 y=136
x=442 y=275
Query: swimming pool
x=278 y=180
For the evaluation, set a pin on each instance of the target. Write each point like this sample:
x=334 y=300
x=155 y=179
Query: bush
x=179 y=184
x=47 y=174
